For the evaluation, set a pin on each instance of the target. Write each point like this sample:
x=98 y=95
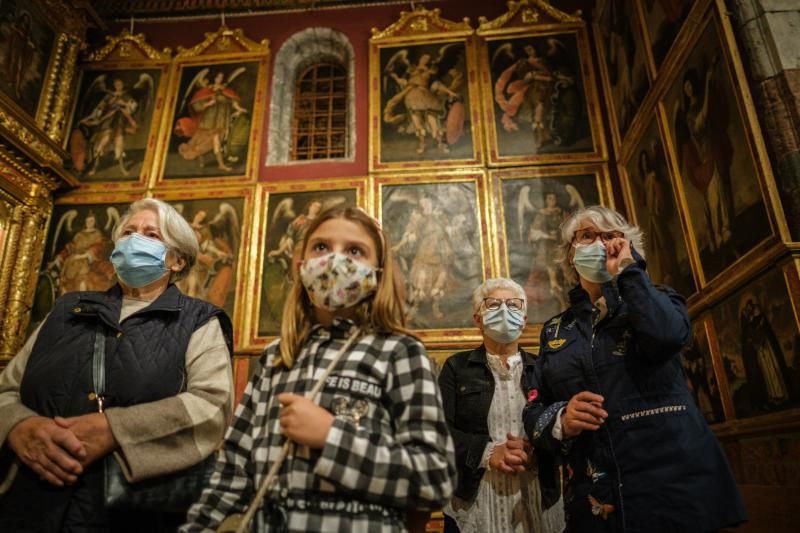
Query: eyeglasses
x=514 y=304
x=588 y=236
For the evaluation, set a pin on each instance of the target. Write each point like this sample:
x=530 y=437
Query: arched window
x=319 y=121
x=317 y=66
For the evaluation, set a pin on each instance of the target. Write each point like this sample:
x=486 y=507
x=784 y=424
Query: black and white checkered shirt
x=388 y=449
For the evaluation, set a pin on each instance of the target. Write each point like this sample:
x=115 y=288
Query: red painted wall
x=355 y=23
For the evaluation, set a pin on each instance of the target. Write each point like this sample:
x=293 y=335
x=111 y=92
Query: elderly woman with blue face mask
x=161 y=406
x=484 y=391
x=611 y=403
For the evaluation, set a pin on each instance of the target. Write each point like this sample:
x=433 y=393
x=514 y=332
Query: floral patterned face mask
x=336 y=281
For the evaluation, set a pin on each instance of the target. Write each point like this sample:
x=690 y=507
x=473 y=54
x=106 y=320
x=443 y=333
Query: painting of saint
x=705 y=126
x=25 y=46
x=77 y=253
x=626 y=69
x=664 y=19
x=111 y=123
x=217 y=225
x=211 y=124
x=657 y=214
x=435 y=236
x=539 y=98
x=700 y=377
x=288 y=217
x=533 y=210
x=759 y=342
x=424 y=103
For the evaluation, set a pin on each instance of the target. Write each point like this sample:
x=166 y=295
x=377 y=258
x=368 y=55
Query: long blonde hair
x=382 y=312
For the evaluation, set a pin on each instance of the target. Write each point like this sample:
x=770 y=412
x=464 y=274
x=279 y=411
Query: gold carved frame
x=420 y=27
x=449 y=337
x=250 y=339
x=245 y=244
x=530 y=337
x=537 y=18
x=123 y=52
x=225 y=45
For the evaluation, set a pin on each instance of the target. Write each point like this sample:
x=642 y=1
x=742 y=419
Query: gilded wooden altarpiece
x=213 y=119
x=530 y=204
x=283 y=212
x=116 y=114
x=538 y=87
x=653 y=204
x=424 y=99
x=624 y=65
x=220 y=218
x=438 y=225
x=758 y=335
x=713 y=135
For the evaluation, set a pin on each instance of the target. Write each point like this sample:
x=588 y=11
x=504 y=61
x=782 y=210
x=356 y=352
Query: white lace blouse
x=506 y=503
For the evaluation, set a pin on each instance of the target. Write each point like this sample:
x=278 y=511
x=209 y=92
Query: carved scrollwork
x=223 y=41
x=420 y=21
x=128 y=47
x=527 y=12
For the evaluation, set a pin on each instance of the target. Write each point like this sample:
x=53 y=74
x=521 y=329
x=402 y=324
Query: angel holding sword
x=212 y=109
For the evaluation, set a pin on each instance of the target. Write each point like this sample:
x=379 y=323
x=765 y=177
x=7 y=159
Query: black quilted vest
x=144 y=355
x=145 y=358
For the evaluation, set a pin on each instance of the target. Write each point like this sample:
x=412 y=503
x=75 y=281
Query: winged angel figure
x=211 y=277
x=538 y=89
x=542 y=233
x=110 y=116
x=211 y=117
x=426 y=98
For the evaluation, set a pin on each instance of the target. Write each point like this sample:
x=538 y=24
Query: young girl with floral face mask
x=374 y=445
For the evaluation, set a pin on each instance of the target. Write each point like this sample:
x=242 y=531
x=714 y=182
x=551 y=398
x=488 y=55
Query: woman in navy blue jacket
x=612 y=404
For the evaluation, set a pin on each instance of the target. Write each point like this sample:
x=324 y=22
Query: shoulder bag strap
x=239 y=523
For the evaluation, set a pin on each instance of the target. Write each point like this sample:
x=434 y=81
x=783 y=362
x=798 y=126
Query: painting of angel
x=211 y=124
x=534 y=208
x=25 y=46
x=700 y=377
x=760 y=346
x=626 y=67
x=288 y=217
x=664 y=19
x=539 y=100
x=435 y=237
x=424 y=103
x=217 y=225
x=111 y=123
x=656 y=211
x=706 y=125
x=77 y=253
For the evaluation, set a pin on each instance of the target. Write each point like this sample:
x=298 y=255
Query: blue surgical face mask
x=590 y=262
x=503 y=325
x=139 y=260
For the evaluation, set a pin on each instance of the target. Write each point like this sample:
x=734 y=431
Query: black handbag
x=174 y=492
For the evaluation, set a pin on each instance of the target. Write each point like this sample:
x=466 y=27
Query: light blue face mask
x=590 y=262
x=139 y=260
x=503 y=325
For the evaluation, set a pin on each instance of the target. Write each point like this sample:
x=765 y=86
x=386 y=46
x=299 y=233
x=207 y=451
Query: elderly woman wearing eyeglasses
x=484 y=391
x=612 y=404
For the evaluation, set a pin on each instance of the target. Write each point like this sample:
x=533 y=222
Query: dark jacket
x=654 y=465
x=467 y=386
x=145 y=362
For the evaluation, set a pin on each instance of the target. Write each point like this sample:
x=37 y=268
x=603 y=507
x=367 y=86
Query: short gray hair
x=605 y=219
x=178 y=234
x=490 y=285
